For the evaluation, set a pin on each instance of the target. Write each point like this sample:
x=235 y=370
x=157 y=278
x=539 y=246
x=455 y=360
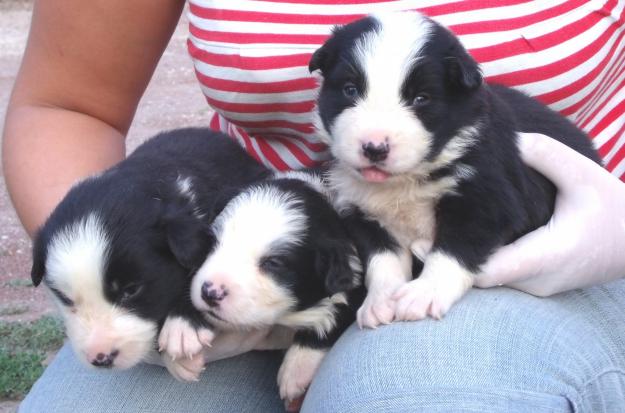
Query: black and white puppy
x=282 y=257
x=423 y=145
x=118 y=252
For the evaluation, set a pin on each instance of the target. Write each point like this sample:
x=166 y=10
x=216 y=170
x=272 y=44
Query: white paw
x=378 y=308
x=442 y=282
x=179 y=338
x=185 y=369
x=418 y=299
x=297 y=371
x=387 y=271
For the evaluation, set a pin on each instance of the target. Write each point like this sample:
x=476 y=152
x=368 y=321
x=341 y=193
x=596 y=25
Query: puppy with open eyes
x=282 y=256
x=429 y=149
x=118 y=252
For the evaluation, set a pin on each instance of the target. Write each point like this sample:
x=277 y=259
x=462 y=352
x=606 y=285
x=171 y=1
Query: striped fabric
x=251 y=60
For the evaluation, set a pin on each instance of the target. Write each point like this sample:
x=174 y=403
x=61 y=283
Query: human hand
x=582 y=244
x=190 y=365
x=232 y=343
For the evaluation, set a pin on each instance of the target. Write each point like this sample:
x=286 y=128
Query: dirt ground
x=173 y=99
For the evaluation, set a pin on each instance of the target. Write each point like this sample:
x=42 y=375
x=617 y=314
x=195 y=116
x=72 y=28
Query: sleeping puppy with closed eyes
x=426 y=147
x=282 y=256
x=119 y=251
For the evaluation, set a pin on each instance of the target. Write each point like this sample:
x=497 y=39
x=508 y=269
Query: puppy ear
x=38 y=270
x=339 y=264
x=188 y=237
x=318 y=60
x=188 y=229
x=462 y=70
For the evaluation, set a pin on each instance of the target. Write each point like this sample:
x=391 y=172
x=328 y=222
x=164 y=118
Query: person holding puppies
x=86 y=67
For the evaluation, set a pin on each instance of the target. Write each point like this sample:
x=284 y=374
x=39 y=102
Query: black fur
x=318 y=264
x=504 y=199
x=157 y=235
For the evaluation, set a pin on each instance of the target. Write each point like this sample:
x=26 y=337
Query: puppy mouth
x=374 y=174
x=214 y=315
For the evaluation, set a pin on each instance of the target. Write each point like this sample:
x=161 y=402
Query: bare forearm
x=46 y=150
x=84 y=70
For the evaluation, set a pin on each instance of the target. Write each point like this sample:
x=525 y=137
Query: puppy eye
x=421 y=99
x=350 y=90
x=271 y=263
x=130 y=291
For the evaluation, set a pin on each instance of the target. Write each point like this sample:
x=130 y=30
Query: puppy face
x=112 y=273
x=279 y=248
x=391 y=87
x=96 y=303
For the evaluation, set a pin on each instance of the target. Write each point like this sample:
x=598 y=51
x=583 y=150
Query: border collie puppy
x=282 y=257
x=118 y=252
x=423 y=145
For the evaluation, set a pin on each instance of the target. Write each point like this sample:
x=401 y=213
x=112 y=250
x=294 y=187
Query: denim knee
x=246 y=384
x=497 y=350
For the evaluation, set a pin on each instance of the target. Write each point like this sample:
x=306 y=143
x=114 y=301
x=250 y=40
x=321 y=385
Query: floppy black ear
x=189 y=241
x=188 y=237
x=318 y=60
x=339 y=264
x=462 y=70
x=38 y=270
x=188 y=228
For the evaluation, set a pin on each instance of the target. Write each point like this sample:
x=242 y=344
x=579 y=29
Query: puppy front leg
x=185 y=332
x=464 y=238
x=387 y=266
x=297 y=371
x=185 y=369
x=386 y=272
x=181 y=340
x=444 y=281
x=303 y=358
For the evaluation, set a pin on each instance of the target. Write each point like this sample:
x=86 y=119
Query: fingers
x=525 y=258
x=557 y=162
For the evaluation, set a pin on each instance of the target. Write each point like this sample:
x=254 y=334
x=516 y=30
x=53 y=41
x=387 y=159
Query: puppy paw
x=185 y=369
x=378 y=308
x=418 y=299
x=179 y=338
x=443 y=282
x=421 y=298
x=297 y=371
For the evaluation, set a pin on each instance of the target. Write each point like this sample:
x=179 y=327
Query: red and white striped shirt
x=251 y=59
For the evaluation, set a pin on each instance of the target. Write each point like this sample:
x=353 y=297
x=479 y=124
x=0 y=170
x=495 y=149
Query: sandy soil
x=173 y=99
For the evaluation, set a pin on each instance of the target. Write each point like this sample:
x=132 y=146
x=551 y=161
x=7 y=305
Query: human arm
x=84 y=70
x=582 y=244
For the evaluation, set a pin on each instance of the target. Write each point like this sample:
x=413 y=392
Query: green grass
x=13 y=309
x=19 y=282
x=23 y=349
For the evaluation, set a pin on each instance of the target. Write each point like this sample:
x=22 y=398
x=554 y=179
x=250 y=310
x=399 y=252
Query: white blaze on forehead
x=75 y=266
x=77 y=257
x=387 y=54
x=258 y=219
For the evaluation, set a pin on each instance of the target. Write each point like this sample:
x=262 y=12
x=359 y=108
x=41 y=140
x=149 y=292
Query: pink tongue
x=373 y=174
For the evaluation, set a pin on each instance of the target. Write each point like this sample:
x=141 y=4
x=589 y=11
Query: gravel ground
x=173 y=99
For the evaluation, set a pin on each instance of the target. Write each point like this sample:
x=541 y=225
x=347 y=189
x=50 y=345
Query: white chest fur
x=405 y=207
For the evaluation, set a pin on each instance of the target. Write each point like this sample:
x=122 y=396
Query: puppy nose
x=375 y=153
x=213 y=295
x=105 y=360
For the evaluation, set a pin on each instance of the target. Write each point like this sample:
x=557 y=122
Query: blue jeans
x=497 y=350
